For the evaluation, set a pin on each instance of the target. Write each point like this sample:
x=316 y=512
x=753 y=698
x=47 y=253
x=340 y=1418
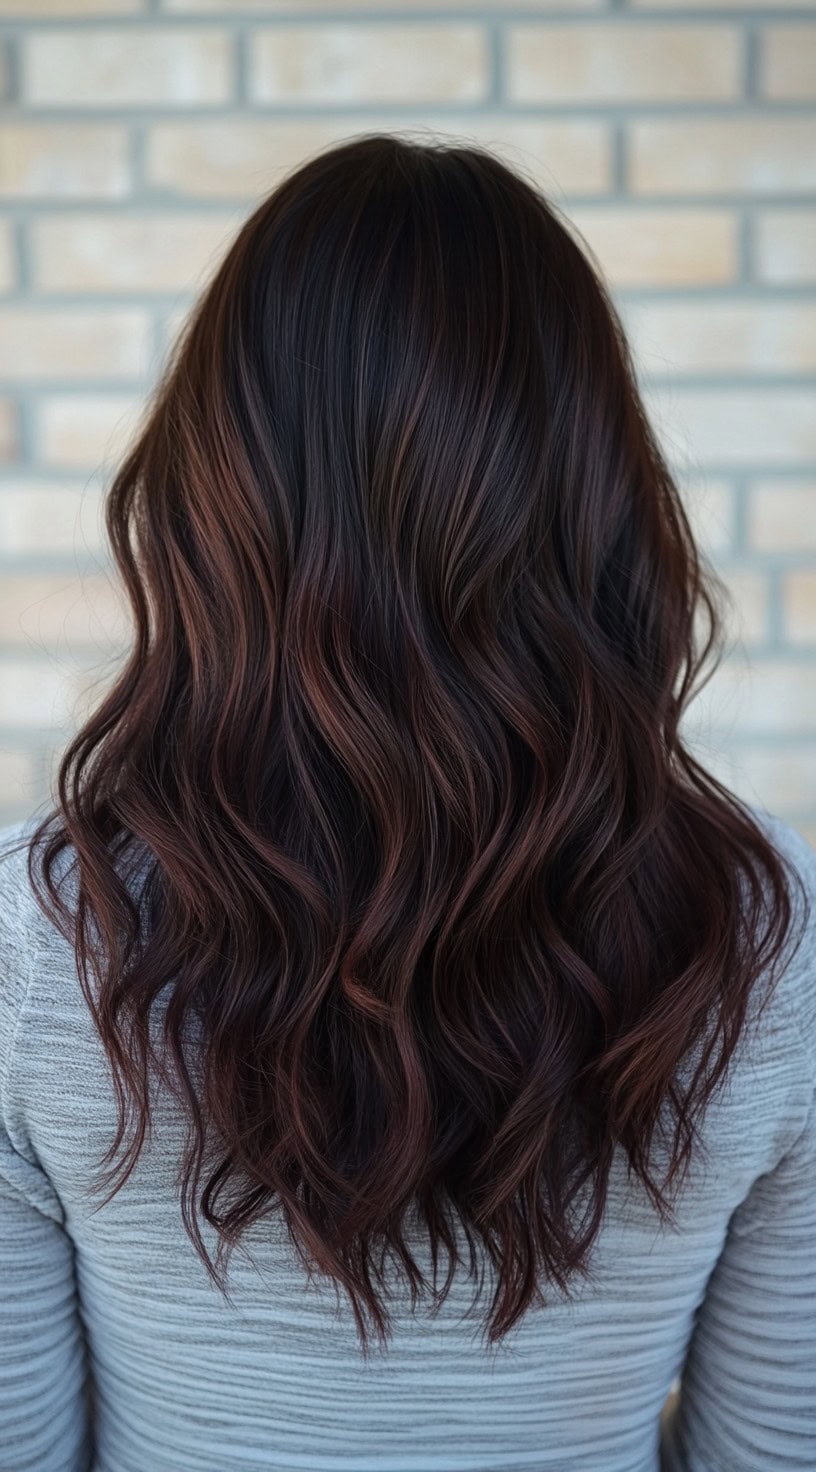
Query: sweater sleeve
x=747 y=1395
x=45 y=1409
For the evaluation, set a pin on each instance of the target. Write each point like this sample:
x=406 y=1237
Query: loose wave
x=389 y=796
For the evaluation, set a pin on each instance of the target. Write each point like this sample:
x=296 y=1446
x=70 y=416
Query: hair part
x=390 y=795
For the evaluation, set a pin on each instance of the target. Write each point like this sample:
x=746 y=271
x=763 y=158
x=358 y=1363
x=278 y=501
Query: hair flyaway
x=395 y=748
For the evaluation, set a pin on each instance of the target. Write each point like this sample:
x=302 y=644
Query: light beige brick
x=91 y=685
x=165 y=66
x=52 y=754
x=50 y=517
x=681 y=337
x=723 y=4
x=124 y=253
x=756 y=695
x=8 y=270
x=243 y=159
x=709 y=505
x=172 y=323
x=9 y=431
x=734 y=426
x=51 y=609
x=75 y=344
x=778 y=775
x=356 y=63
x=781 y=516
x=650 y=247
x=799 y=605
x=744 y=608
x=63 y=160
x=50 y=695
x=561 y=155
x=19 y=778
x=265 y=7
x=785 y=246
x=12 y=812
x=607 y=62
x=788 y=62
x=36 y=692
x=86 y=431
x=756 y=155
x=716 y=756
x=783 y=779
x=67 y=9
x=748 y=618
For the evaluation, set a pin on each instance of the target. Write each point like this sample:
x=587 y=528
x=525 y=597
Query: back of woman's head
x=395 y=751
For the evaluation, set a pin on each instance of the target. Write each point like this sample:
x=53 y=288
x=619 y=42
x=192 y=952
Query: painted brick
x=125 y=253
x=243 y=158
x=67 y=9
x=710 y=506
x=356 y=63
x=722 y=4
x=54 y=608
x=735 y=426
x=753 y=695
x=759 y=155
x=748 y=619
x=673 y=338
x=788 y=62
x=799 y=605
x=170 y=325
x=170 y=67
x=266 y=7
x=622 y=63
x=785 y=246
x=55 y=161
x=9 y=431
x=50 y=517
x=784 y=782
x=75 y=344
x=8 y=267
x=781 y=516
x=49 y=698
x=19 y=780
x=36 y=692
x=91 y=684
x=689 y=169
x=86 y=431
x=660 y=247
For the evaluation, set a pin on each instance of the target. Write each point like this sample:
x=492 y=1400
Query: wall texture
x=680 y=138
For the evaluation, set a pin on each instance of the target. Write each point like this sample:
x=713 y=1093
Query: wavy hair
x=394 y=752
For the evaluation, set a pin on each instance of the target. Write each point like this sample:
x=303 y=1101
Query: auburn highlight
x=388 y=801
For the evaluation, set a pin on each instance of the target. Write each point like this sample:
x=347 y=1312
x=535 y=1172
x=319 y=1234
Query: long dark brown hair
x=395 y=752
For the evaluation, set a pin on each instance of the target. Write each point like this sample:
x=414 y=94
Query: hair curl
x=395 y=749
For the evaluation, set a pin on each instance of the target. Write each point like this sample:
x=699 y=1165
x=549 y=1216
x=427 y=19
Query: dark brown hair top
x=395 y=751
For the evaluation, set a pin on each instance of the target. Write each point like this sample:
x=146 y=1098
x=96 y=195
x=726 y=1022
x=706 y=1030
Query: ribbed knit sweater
x=118 y=1354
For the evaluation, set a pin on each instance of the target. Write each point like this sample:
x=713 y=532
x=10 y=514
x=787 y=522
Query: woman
x=382 y=912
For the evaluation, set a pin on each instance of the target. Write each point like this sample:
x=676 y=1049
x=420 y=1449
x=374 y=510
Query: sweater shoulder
x=16 y=922
x=29 y=942
x=796 y=984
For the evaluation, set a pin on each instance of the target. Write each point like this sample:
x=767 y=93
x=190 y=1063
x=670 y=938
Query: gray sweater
x=117 y=1354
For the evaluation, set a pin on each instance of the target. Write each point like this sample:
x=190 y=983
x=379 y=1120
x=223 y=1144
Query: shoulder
x=16 y=900
x=28 y=940
x=23 y=923
x=797 y=980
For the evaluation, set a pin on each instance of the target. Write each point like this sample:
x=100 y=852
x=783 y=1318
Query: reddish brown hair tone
x=395 y=752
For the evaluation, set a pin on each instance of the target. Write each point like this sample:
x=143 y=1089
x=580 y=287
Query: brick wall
x=681 y=138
